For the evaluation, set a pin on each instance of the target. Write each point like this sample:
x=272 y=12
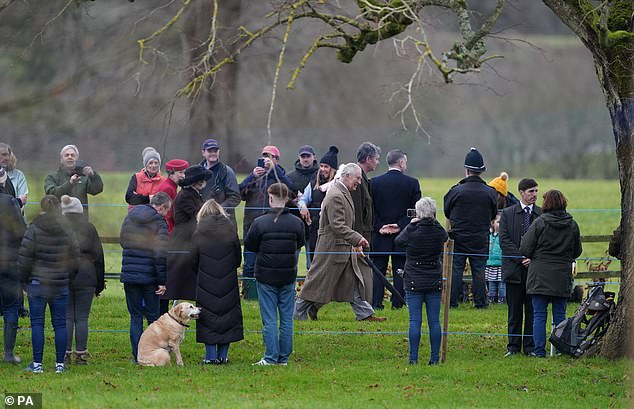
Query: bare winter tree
x=212 y=113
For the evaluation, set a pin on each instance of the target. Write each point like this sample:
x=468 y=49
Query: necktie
x=527 y=218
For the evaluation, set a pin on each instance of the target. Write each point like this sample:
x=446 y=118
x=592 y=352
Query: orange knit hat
x=499 y=183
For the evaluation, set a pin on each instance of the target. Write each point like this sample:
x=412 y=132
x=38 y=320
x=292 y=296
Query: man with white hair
x=335 y=274
x=74 y=178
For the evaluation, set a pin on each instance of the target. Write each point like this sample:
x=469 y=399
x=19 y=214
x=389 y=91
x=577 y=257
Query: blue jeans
x=540 y=313
x=497 y=290
x=477 y=264
x=415 y=301
x=142 y=302
x=57 y=304
x=273 y=300
x=216 y=351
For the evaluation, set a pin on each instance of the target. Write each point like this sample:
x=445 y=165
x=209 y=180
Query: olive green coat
x=362 y=199
x=552 y=243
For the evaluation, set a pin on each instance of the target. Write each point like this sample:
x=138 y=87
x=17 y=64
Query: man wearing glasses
x=223 y=184
x=253 y=191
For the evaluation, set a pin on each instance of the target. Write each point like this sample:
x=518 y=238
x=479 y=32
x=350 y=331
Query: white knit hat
x=150 y=153
x=71 y=205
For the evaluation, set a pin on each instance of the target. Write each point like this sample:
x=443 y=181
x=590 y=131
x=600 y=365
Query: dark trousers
x=10 y=291
x=142 y=303
x=77 y=312
x=478 y=283
x=378 y=289
x=520 y=309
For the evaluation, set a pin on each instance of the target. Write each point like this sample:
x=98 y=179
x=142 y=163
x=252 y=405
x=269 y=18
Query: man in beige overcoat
x=335 y=273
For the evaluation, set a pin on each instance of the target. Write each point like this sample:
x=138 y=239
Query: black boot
x=10 y=331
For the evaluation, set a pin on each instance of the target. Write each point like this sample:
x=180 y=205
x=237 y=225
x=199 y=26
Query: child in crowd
x=493 y=270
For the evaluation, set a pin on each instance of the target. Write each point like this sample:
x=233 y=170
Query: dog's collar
x=172 y=317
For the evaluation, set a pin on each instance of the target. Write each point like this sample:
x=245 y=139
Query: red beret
x=176 y=164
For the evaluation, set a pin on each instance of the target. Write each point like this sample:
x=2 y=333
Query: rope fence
x=360 y=332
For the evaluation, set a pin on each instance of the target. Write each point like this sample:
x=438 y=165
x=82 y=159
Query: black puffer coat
x=217 y=254
x=49 y=253
x=11 y=231
x=275 y=237
x=423 y=241
x=90 y=272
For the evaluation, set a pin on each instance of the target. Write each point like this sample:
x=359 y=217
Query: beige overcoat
x=335 y=270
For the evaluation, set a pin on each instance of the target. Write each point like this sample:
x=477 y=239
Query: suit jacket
x=394 y=193
x=334 y=270
x=511 y=232
x=362 y=199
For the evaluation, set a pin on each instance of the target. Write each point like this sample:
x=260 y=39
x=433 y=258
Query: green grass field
x=337 y=362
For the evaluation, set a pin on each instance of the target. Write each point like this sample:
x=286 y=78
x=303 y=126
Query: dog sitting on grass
x=165 y=335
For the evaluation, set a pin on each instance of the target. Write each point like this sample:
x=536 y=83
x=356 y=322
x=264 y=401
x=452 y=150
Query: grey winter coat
x=552 y=243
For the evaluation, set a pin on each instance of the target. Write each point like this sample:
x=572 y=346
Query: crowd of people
x=180 y=242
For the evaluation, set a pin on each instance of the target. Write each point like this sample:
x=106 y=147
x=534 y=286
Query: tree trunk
x=615 y=342
x=212 y=114
x=606 y=31
x=614 y=66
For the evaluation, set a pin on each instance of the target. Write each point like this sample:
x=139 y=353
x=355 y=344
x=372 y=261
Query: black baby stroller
x=575 y=335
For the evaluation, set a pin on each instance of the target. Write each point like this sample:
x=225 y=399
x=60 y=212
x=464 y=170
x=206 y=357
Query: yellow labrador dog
x=165 y=335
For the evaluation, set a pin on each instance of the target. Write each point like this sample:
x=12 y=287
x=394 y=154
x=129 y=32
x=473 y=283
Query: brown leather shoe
x=374 y=319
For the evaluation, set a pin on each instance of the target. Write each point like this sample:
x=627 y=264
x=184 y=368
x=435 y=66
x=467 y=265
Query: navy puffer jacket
x=144 y=240
x=49 y=253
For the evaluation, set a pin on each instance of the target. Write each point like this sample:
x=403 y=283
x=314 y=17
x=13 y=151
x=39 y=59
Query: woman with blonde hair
x=217 y=255
x=10 y=161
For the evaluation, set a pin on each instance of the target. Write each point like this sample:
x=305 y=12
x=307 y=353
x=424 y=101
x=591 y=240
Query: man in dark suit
x=470 y=206
x=514 y=222
x=392 y=194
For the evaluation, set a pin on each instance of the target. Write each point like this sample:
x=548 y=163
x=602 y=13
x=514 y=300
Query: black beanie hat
x=330 y=158
x=474 y=161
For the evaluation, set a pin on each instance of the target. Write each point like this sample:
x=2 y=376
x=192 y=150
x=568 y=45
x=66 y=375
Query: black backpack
x=575 y=335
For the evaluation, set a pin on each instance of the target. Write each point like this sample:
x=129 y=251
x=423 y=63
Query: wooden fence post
x=447 y=264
